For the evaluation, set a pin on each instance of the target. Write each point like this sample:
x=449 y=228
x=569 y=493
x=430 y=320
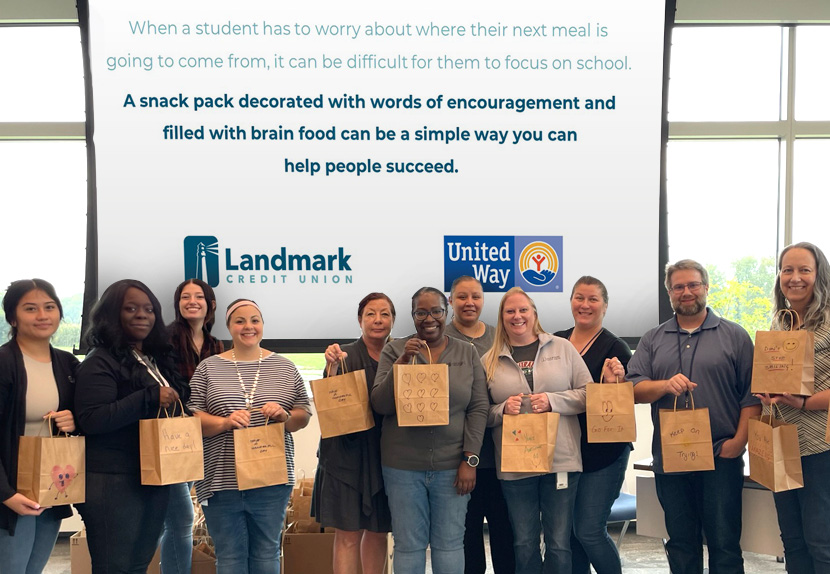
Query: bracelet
x=804 y=404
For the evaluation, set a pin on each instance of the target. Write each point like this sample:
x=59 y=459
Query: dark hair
x=16 y=291
x=374 y=296
x=105 y=328
x=588 y=280
x=181 y=337
x=818 y=311
x=461 y=279
x=424 y=291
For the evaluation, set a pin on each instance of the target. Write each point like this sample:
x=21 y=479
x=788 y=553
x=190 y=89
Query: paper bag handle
x=772 y=408
x=605 y=364
x=343 y=369
x=179 y=401
x=789 y=313
x=429 y=354
x=691 y=397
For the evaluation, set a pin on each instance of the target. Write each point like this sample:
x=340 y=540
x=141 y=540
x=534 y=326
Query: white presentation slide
x=306 y=154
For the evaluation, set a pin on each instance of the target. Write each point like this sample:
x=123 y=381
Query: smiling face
x=37 y=316
x=797 y=277
x=467 y=300
x=688 y=302
x=588 y=307
x=192 y=303
x=519 y=319
x=430 y=329
x=137 y=316
x=377 y=320
x=245 y=326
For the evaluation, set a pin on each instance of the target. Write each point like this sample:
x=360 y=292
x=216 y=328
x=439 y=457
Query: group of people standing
x=431 y=486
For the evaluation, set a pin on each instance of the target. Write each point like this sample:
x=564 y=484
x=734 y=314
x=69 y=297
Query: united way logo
x=500 y=262
x=201 y=258
x=538 y=263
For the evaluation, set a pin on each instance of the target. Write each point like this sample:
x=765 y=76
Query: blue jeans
x=28 y=551
x=802 y=517
x=245 y=526
x=426 y=511
x=704 y=502
x=590 y=543
x=177 y=537
x=526 y=499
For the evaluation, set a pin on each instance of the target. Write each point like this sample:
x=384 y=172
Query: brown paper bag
x=528 y=441
x=342 y=403
x=51 y=470
x=686 y=439
x=422 y=394
x=260 y=456
x=774 y=457
x=171 y=449
x=609 y=412
x=784 y=361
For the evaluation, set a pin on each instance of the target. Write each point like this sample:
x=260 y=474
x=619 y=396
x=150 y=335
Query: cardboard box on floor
x=80 y=562
x=305 y=553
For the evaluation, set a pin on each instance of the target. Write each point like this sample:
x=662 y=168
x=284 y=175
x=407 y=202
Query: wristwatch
x=472 y=460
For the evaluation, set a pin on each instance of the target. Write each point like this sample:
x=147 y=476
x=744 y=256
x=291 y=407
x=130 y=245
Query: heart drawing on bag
x=421 y=377
x=435 y=377
x=407 y=408
x=433 y=405
x=420 y=407
x=421 y=393
x=407 y=378
x=62 y=478
x=407 y=393
x=433 y=392
x=420 y=418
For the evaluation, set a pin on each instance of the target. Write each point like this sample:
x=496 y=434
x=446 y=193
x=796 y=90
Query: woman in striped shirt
x=233 y=390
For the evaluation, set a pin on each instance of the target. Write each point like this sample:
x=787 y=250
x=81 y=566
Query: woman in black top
x=36 y=382
x=603 y=465
x=127 y=376
x=348 y=486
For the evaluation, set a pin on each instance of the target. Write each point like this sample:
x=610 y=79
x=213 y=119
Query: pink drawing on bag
x=62 y=478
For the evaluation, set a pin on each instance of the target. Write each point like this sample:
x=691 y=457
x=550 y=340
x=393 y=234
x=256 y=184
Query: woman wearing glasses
x=429 y=471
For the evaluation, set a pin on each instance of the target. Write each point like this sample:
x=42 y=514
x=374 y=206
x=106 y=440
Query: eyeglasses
x=436 y=313
x=694 y=286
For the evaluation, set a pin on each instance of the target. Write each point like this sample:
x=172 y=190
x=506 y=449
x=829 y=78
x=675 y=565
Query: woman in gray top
x=429 y=471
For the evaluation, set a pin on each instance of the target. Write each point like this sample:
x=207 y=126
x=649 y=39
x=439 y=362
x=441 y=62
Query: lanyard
x=680 y=352
x=153 y=370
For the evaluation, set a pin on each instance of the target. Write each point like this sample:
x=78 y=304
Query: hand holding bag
x=686 y=439
x=342 y=403
x=259 y=454
x=609 y=411
x=784 y=361
x=171 y=449
x=51 y=470
x=422 y=393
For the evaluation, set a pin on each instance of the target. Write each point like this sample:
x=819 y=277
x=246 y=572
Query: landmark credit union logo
x=203 y=260
x=501 y=262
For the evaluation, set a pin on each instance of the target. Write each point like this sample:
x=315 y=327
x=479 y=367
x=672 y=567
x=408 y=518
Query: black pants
x=487 y=501
x=123 y=522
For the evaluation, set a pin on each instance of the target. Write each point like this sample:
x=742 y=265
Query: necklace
x=588 y=344
x=458 y=326
x=249 y=396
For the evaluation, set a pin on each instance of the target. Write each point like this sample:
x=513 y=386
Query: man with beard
x=698 y=351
